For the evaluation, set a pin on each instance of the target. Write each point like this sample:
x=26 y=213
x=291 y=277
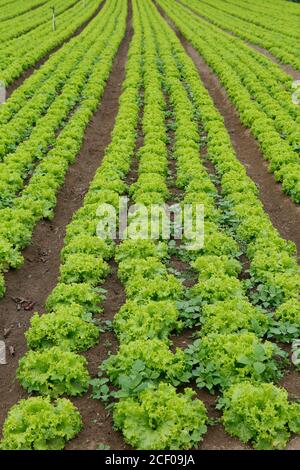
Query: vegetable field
x=149 y=225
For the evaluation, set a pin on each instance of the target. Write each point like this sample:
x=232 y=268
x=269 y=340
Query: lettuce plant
x=9 y=256
x=285 y=326
x=211 y=266
x=166 y=287
x=88 y=245
x=82 y=294
x=140 y=249
x=232 y=316
x=146 y=268
x=81 y=267
x=219 y=288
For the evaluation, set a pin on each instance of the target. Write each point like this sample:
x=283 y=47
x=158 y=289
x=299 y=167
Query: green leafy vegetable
x=53 y=372
x=36 y=424
x=219 y=360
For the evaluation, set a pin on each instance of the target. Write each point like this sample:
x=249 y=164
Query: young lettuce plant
x=219 y=360
x=260 y=414
x=161 y=419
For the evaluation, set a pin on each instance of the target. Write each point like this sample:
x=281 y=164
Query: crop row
x=252 y=227
x=256 y=6
x=145 y=369
x=26 y=138
x=231 y=354
x=264 y=116
x=38 y=199
x=266 y=81
x=18 y=54
x=265 y=248
x=279 y=40
x=276 y=23
x=23 y=95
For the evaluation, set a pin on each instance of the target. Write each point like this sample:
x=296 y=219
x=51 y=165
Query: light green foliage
x=217 y=242
x=232 y=316
x=139 y=248
x=88 y=245
x=260 y=414
x=53 y=372
x=9 y=256
x=158 y=288
x=2 y=286
x=82 y=294
x=219 y=360
x=146 y=268
x=289 y=312
x=67 y=331
x=161 y=419
x=286 y=322
x=218 y=288
x=83 y=268
x=146 y=321
x=151 y=358
x=211 y=266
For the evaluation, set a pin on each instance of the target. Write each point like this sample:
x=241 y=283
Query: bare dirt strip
x=28 y=287
x=285 y=67
x=18 y=82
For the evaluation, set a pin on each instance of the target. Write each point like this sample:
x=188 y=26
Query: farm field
x=149 y=225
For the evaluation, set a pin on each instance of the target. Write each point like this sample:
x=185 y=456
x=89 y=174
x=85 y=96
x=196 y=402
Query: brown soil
x=28 y=287
x=18 y=82
x=284 y=214
x=285 y=67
